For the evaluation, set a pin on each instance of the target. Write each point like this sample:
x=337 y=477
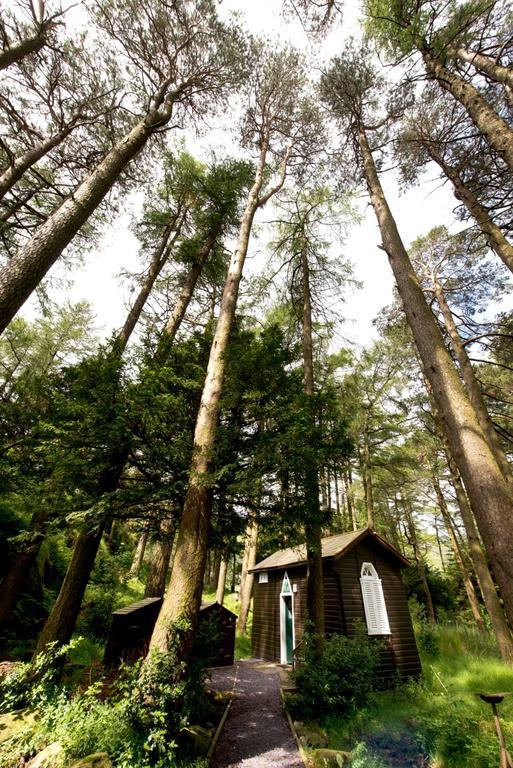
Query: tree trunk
x=183 y=597
x=214 y=573
x=366 y=471
x=495 y=130
x=24 y=162
x=348 y=483
x=221 y=582
x=24 y=271
x=160 y=559
x=439 y=544
x=18 y=52
x=484 y=577
x=112 y=534
x=485 y=64
x=313 y=529
x=493 y=234
x=488 y=491
x=322 y=490
x=472 y=386
x=419 y=560
x=158 y=261
x=139 y=554
x=247 y=578
x=206 y=575
x=234 y=573
x=20 y=564
x=61 y=622
x=187 y=290
x=244 y=564
x=338 y=509
x=467 y=582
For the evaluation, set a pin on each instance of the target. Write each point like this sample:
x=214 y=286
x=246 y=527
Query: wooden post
x=493 y=699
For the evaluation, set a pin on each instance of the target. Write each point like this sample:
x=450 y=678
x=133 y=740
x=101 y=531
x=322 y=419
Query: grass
x=242 y=642
x=439 y=718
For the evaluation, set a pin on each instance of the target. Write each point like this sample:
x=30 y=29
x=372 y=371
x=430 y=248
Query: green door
x=289 y=638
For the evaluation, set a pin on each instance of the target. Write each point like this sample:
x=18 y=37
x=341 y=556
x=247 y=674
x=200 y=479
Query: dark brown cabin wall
x=333 y=619
x=265 y=633
x=403 y=654
x=265 y=643
x=346 y=568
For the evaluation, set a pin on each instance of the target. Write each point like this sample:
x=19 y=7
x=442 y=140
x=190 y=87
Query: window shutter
x=374 y=601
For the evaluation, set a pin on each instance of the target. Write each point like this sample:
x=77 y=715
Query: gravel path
x=256 y=734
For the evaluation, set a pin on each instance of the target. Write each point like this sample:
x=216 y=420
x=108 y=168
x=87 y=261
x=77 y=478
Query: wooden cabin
x=132 y=627
x=362 y=583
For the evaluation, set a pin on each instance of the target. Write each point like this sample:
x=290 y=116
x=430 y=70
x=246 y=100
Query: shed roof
x=137 y=606
x=332 y=546
x=216 y=606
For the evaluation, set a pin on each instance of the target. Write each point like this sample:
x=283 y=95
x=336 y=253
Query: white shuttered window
x=373 y=601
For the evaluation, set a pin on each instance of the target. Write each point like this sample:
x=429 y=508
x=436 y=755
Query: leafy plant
x=363 y=758
x=35 y=683
x=341 y=680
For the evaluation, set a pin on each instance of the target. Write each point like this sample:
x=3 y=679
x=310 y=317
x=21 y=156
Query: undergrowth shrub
x=428 y=641
x=33 y=684
x=84 y=724
x=340 y=681
x=363 y=758
x=136 y=719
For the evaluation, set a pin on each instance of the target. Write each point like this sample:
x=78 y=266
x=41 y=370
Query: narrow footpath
x=256 y=733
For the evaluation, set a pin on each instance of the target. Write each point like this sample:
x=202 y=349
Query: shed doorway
x=286 y=622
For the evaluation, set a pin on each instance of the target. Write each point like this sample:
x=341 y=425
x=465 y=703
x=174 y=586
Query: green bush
x=363 y=758
x=428 y=641
x=33 y=684
x=341 y=680
x=84 y=724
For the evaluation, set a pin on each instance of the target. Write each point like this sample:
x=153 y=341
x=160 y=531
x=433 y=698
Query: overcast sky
x=416 y=212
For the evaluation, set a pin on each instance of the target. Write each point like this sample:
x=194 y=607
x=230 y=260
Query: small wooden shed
x=225 y=621
x=130 y=631
x=362 y=583
x=132 y=627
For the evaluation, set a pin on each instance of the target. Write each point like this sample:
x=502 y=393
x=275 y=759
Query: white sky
x=416 y=212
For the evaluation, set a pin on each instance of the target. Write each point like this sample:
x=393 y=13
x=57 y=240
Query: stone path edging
x=300 y=747
x=220 y=727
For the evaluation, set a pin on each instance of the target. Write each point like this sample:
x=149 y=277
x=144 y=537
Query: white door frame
x=283 y=637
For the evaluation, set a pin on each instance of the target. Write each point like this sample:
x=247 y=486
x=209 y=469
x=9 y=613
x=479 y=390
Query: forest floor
x=256 y=734
x=438 y=721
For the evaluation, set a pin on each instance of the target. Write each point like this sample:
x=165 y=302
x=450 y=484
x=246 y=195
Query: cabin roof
x=332 y=546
